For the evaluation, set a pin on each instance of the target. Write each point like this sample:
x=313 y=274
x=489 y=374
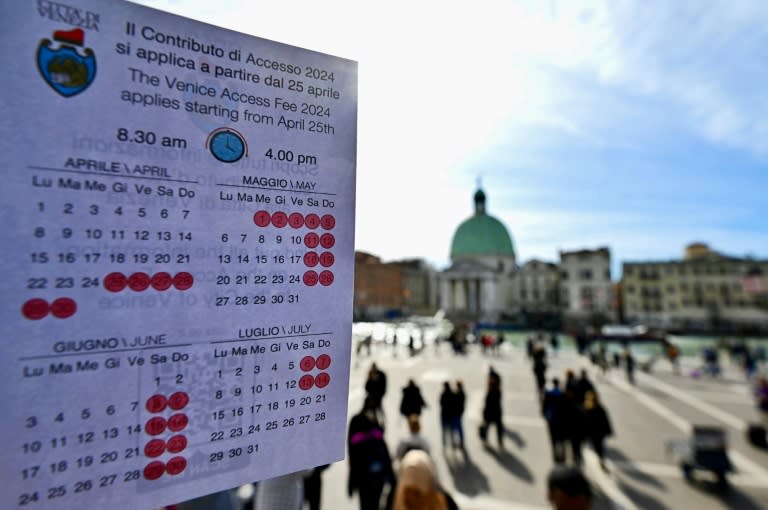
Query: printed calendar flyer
x=178 y=246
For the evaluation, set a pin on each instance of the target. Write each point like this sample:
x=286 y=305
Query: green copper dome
x=481 y=234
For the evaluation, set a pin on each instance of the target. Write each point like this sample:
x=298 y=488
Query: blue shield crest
x=64 y=69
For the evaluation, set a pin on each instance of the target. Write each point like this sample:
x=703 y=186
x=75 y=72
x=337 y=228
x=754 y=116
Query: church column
x=459 y=296
x=445 y=294
x=489 y=295
x=472 y=291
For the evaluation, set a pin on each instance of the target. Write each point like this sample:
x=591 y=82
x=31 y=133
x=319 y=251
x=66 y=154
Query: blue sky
x=640 y=125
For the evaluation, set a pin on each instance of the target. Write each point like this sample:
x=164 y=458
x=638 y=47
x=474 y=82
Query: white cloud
x=440 y=83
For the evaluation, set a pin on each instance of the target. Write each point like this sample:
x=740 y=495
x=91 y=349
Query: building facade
x=586 y=290
x=385 y=290
x=705 y=291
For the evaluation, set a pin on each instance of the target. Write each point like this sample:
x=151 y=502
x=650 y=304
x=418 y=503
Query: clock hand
x=228 y=147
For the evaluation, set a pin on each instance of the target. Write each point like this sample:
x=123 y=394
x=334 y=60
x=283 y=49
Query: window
x=671 y=289
x=564 y=275
x=585 y=274
x=630 y=289
x=628 y=271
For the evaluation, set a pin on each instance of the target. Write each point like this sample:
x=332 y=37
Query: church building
x=480 y=284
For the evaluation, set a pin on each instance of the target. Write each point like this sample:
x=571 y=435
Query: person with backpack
x=370 y=466
x=414 y=440
x=597 y=425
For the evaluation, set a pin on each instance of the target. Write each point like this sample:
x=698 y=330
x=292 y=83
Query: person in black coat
x=412 y=402
x=447 y=412
x=597 y=425
x=370 y=465
x=492 y=409
x=376 y=385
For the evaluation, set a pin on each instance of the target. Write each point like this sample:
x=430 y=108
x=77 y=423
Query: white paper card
x=178 y=249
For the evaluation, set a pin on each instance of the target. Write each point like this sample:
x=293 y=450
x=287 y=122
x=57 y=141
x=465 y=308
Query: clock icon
x=227 y=145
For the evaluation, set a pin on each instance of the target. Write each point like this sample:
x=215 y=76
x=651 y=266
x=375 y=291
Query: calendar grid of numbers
x=178 y=247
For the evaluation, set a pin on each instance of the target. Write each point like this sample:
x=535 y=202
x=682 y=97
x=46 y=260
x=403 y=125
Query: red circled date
x=327 y=221
x=306 y=382
x=161 y=281
x=262 y=218
x=154 y=448
x=176 y=443
x=327 y=259
x=325 y=278
x=311 y=240
x=327 y=241
x=310 y=278
x=312 y=221
x=138 y=282
x=177 y=422
x=322 y=379
x=175 y=465
x=35 y=309
x=156 y=403
x=115 y=282
x=279 y=219
x=178 y=400
x=307 y=363
x=154 y=470
x=311 y=259
x=323 y=361
x=296 y=220
x=183 y=281
x=155 y=426
x=63 y=308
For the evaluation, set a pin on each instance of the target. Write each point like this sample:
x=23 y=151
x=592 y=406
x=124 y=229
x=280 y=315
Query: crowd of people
x=406 y=478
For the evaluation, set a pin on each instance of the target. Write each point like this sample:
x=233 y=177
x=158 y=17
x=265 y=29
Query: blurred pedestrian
x=414 y=440
x=313 y=485
x=583 y=385
x=629 y=365
x=597 y=425
x=281 y=493
x=761 y=395
x=552 y=408
x=365 y=343
x=711 y=361
x=529 y=347
x=417 y=487
x=448 y=410
x=370 y=466
x=540 y=368
x=554 y=343
x=412 y=401
x=573 y=423
x=492 y=409
x=376 y=385
x=456 y=420
x=570 y=381
x=672 y=352
x=602 y=358
x=568 y=489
